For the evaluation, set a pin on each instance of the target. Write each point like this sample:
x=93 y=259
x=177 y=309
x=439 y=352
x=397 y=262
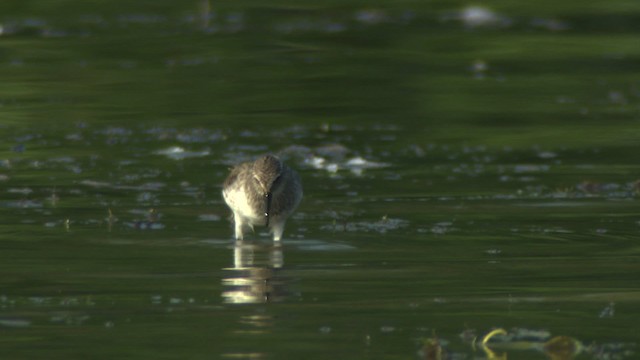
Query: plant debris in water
x=381 y=226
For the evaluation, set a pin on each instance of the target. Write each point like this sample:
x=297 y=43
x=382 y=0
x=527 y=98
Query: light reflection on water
x=257 y=275
x=457 y=178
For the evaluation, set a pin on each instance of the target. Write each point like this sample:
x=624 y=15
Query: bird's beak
x=268 y=208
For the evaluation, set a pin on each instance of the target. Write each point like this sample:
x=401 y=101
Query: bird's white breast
x=238 y=201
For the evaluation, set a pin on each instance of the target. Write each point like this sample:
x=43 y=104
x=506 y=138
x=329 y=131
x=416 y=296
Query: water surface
x=465 y=169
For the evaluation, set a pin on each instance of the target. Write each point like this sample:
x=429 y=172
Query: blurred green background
x=467 y=166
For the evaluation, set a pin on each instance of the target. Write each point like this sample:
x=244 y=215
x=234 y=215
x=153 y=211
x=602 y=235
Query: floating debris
x=20 y=148
x=359 y=162
x=319 y=245
x=550 y=24
x=479 y=69
x=316 y=162
x=382 y=226
x=179 y=153
x=15 y=323
x=95 y=184
x=608 y=311
x=440 y=228
x=387 y=329
x=371 y=16
x=69 y=318
x=209 y=217
x=547 y=155
x=617 y=97
x=145 y=225
x=22 y=191
x=199 y=136
x=530 y=168
x=355 y=165
x=156 y=299
x=477 y=17
x=558 y=347
x=334 y=151
x=22 y=204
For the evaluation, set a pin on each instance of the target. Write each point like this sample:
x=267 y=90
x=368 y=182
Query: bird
x=264 y=192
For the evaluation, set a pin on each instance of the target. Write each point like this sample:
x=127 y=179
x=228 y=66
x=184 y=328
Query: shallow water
x=465 y=169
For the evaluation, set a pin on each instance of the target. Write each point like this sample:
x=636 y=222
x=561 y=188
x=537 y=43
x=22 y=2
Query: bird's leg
x=237 y=220
x=277 y=229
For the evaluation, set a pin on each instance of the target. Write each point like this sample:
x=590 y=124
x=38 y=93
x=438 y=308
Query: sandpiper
x=263 y=192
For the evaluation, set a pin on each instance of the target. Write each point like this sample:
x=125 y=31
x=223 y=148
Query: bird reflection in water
x=257 y=274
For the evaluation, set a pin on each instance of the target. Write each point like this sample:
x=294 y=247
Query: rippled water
x=466 y=169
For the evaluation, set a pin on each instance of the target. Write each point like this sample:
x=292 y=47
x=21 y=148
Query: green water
x=460 y=175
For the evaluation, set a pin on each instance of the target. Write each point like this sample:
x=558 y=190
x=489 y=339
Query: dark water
x=465 y=169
